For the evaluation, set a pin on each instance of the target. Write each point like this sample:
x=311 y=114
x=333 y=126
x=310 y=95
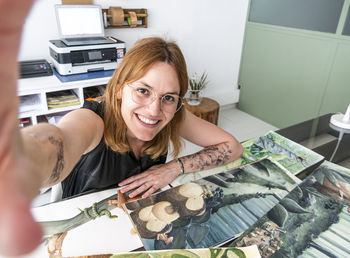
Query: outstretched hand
x=151 y=180
x=18 y=231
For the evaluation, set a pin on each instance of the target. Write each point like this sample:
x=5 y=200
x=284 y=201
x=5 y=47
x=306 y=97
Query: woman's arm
x=220 y=148
x=34 y=157
x=52 y=151
x=30 y=157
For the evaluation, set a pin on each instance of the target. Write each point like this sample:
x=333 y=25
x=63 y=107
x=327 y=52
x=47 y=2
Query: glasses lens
x=171 y=103
x=143 y=95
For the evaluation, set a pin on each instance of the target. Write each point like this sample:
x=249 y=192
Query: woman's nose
x=155 y=106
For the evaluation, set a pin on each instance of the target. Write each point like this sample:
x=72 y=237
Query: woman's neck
x=136 y=145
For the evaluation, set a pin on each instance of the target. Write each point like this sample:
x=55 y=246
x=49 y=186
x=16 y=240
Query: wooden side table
x=208 y=110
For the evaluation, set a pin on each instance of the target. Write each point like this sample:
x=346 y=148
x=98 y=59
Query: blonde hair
x=137 y=61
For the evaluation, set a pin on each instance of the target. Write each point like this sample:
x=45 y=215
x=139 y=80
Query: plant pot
x=194 y=97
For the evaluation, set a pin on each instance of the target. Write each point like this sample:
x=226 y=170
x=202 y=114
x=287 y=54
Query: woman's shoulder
x=95 y=106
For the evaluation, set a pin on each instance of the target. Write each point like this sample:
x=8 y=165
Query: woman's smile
x=148 y=122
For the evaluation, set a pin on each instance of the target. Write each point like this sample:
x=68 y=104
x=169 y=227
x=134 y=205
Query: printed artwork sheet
x=311 y=221
x=99 y=234
x=240 y=252
x=289 y=154
x=211 y=210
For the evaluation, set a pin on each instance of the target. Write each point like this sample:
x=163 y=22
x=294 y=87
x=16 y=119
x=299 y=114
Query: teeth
x=147 y=121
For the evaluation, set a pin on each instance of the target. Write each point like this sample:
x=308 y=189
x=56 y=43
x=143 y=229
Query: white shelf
x=39 y=87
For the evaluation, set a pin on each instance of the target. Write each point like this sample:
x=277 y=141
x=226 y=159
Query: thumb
x=19 y=233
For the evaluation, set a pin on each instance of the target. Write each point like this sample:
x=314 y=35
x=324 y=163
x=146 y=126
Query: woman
x=121 y=138
x=137 y=118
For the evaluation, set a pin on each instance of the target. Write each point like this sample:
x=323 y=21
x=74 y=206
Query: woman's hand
x=18 y=231
x=151 y=180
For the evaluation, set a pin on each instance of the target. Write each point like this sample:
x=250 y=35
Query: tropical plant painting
x=209 y=211
x=291 y=155
x=311 y=221
x=242 y=252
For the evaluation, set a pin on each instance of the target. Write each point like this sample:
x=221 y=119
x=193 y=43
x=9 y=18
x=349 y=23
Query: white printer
x=86 y=58
x=82 y=45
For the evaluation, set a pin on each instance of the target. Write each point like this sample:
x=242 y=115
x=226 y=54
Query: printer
x=86 y=58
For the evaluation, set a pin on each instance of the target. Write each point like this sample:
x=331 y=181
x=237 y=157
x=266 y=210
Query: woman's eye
x=169 y=99
x=142 y=91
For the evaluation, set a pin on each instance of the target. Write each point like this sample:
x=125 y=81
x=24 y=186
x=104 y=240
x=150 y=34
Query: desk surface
x=317 y=135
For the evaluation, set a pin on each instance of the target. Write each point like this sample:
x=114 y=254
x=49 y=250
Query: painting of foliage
x=232 y=252
x=211 y=210
x=291 y=155
x=311 y=221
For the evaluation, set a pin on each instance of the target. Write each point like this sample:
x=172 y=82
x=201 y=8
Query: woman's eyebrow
x=149 y=86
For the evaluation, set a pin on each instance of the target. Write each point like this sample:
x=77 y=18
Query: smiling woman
x=121 y=138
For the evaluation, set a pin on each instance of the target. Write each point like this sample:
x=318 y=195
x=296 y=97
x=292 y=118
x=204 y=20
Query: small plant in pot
x=197 y=84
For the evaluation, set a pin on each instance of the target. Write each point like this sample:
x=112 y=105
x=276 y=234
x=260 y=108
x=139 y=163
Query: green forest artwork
x=311 y=221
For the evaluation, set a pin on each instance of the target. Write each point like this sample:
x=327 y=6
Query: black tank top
x=102 y=167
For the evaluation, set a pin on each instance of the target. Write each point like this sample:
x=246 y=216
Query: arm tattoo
x=209 y=157
x=56 y=172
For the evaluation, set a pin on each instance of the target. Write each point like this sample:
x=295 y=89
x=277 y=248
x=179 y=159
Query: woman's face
x=145 y=121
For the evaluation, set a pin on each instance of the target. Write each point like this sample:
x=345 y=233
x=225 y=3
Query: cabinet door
x=283 y=74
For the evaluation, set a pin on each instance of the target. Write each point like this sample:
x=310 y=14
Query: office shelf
x=33 y=94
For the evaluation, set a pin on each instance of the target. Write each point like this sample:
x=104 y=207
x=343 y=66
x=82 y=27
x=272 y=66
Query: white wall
x=210 y=34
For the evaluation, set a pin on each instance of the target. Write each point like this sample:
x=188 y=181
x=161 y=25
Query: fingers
x=143 y=188
x=139 y=190
x=149 y=192
x=145 y=183
x=19 y=232
x=132 y=179
x=134 y=185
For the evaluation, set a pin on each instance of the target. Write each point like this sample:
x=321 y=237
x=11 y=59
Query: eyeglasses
x=144 y=95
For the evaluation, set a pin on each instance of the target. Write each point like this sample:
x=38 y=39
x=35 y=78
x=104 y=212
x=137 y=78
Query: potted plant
x=197 y=84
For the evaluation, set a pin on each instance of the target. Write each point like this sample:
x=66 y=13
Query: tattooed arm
x=53 y=151
x=210 y=157
x=220 y=148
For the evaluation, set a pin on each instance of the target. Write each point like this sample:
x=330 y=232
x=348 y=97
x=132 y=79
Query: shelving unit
x=35 y=90
x=141 y=14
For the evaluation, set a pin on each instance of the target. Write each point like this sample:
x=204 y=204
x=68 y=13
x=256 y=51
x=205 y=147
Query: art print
x=291 y=155
x=311 y=221
x=212 y=210
x=241 y=252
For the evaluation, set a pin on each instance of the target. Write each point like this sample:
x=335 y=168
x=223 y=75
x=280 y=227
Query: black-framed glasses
x=144 y=95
